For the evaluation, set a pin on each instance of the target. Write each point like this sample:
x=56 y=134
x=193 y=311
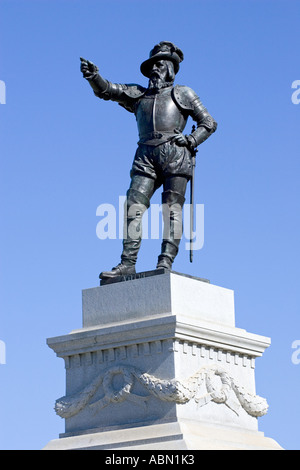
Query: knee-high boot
x=172 y=217
x=136 y=204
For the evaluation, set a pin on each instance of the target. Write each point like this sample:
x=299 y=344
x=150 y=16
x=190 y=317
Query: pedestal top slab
x=151 y=295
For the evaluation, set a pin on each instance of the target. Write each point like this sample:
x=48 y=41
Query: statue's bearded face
x=162 y=74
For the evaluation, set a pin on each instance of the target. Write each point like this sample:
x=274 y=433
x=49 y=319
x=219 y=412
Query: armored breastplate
x=158 y=116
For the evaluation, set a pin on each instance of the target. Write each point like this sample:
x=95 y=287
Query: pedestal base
x=159 y=364
x=180 y=435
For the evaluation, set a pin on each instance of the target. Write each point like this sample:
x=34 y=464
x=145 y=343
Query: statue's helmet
x=165 y=50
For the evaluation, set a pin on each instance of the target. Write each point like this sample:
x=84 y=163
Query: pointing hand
x=87 y=68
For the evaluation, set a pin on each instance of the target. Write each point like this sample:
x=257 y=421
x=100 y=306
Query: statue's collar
x=158 y=91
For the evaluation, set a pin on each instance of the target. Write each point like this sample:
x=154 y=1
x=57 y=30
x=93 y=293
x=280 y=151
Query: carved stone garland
x=177 y=391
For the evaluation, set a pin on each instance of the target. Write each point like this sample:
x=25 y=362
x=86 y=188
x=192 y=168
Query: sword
x=194 y=151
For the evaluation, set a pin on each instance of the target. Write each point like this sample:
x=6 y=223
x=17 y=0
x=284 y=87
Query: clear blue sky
x=60 y=147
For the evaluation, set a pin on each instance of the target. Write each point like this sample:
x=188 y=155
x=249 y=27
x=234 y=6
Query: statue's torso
x=157 y=113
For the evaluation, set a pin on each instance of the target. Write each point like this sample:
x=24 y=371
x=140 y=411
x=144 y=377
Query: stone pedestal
x=159 y=364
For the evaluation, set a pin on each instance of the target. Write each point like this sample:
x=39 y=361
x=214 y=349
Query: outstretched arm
x=125 y=95
x=90 y=73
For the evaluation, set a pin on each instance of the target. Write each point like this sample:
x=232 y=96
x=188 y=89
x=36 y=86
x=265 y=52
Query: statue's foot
x=164 y=262
x=120 y=270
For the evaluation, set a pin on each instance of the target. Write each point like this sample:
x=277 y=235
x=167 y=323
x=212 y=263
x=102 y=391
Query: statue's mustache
x=155 y=74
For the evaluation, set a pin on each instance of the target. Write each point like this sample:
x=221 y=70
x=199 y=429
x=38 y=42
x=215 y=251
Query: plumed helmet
x=165 y=50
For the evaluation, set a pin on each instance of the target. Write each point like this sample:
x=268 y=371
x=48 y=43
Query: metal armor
x=162 y=114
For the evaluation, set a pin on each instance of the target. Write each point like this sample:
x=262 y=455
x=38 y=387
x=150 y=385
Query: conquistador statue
x=164 y=153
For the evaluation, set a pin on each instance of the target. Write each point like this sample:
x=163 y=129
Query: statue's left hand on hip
x=179 y=139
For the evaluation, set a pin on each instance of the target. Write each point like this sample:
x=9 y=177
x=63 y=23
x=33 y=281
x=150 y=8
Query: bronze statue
x=164 y=155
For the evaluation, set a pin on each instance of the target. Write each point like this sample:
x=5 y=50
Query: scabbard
x=192 y=207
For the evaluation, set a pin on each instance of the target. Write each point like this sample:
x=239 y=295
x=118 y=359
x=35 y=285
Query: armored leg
x=172 y=217
x=137 y=203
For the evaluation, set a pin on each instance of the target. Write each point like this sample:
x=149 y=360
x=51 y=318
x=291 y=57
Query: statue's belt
x=163 y=136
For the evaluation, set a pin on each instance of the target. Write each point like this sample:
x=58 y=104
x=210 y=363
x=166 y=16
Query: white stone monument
x=160 y=365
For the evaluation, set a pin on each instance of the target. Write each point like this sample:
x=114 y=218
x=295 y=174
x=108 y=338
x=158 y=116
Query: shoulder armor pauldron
x=133 y=90
x=184 y=97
